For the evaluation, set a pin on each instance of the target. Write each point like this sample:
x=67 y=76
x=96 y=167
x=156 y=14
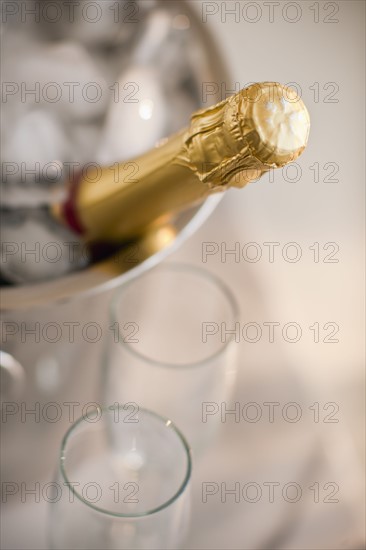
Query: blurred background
x=290 y=246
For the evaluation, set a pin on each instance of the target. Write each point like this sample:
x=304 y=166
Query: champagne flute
x=171 y=347
x=122 y=483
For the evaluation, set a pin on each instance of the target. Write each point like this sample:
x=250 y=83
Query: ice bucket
x=53 y=331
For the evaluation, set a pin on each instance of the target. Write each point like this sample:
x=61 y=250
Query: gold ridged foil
x=246 y=134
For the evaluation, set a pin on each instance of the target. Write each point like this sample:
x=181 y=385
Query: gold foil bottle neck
x=229 y=145
x=265 y=125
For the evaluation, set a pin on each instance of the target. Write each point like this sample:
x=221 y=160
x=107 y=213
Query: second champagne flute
x=170 y=347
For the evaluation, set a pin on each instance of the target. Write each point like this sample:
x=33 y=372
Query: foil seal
x=263 y=126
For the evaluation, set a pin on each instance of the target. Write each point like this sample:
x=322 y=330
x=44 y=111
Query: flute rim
x=169 y=424
x=203 y=273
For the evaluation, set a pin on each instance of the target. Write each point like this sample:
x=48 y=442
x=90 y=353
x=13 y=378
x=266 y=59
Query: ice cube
x=100 y=23
x=36 y=141
x=35 y=247
x=158 y=26
x=65 y=79
x=136 y=119
x=85 y=138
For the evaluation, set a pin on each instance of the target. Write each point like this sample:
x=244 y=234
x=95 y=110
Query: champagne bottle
x=263 y=126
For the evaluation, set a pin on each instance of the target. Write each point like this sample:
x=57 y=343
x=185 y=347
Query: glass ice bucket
x=54 y=317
